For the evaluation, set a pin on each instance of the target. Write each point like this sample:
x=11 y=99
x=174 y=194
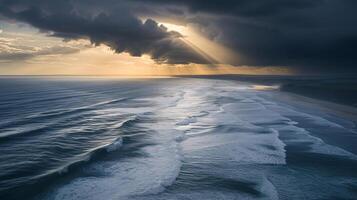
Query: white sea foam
x=286 y=111
x=115 y=145
x=243 y=147
x=148 y=174
x=317 y=145
x=189 y=124
x=187 y=121
x=134 y=176
x=276 y=114
x=268 y=189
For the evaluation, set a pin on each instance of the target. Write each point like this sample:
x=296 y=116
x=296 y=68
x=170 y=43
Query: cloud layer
x=119 y=29
x=306 y=35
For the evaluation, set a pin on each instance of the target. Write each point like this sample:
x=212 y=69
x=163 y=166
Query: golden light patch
x=101 y=60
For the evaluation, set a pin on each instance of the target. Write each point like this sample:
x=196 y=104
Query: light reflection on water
x=166 y=139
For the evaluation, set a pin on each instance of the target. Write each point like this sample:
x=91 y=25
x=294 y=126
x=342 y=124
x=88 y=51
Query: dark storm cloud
x=117 y=28
x=307 y=35
x=318 y=35
x=240 y=7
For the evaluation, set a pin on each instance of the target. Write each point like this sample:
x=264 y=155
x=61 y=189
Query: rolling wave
x=169 y=140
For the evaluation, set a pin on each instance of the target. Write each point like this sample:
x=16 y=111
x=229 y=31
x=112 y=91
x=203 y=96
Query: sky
x=170 y=37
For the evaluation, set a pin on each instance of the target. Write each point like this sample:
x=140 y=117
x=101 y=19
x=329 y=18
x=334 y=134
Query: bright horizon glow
x=101 y=60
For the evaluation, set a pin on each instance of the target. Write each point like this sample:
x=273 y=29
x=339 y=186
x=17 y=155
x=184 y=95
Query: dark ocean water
x=169 y=138
x=341 y=89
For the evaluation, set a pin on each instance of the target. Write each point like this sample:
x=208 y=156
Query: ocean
x=169 y=138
